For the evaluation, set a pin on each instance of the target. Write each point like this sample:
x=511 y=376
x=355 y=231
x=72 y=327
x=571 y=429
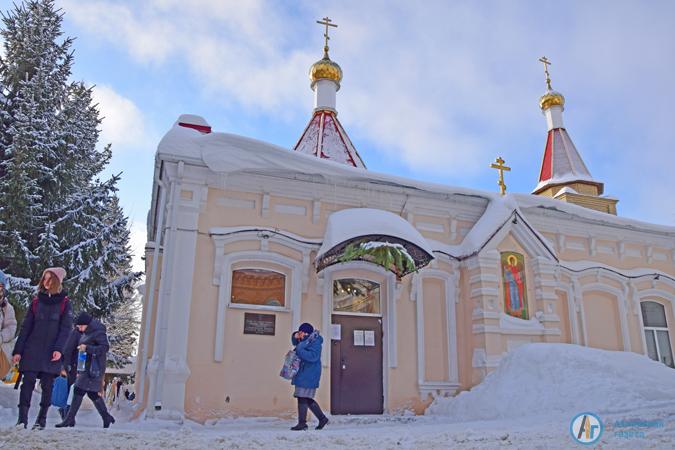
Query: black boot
x=23 y=416
x=302 y=415
x=69 y=421
x=103 y=411
x=41 y=419
x=316 y=410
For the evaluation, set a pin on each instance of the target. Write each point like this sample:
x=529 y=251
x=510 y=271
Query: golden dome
x=325 y=69
x=551 y=98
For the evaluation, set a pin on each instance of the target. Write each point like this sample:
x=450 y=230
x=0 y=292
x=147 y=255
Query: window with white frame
x=656 y=332
x=356 y=296
x=259 y=287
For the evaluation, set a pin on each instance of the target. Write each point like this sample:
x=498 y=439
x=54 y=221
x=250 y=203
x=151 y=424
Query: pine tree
x=54 y=209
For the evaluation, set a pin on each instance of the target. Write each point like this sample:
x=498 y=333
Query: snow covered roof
x=325 y=138
x=562 y=162
x=348 y=225
x=565 y=190
x=229 y=153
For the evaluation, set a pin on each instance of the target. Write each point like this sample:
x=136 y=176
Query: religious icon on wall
x=515 y=289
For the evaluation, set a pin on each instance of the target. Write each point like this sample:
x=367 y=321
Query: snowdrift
x=547 y=379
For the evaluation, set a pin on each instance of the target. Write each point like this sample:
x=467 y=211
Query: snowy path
x=538 y=384
x=358 y=432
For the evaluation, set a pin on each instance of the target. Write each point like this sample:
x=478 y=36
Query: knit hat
x=84 y=318
x=3 y=278
x=306 y=328
x=58 y=272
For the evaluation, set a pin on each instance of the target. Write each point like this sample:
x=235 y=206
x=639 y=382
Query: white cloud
x=441 y=86
x=123 y=122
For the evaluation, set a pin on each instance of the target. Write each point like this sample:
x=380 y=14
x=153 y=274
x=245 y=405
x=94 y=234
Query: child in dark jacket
x=93 y=342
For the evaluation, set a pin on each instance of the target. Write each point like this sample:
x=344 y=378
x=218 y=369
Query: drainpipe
x=151 y=286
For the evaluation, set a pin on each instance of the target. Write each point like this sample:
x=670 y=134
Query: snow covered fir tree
x=55 y=210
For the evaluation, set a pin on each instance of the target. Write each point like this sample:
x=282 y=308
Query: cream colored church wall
x=211 y=383
x=563 y=312
x=214 y=389
x=625 y=252
x=602 y=320
x=435 y=331
x=466 y=340
x=403 y=390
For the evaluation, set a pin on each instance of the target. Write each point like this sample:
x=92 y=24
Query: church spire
x=563 y=173
x=324 y=136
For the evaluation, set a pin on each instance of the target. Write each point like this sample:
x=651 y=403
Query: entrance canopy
x=376 y=236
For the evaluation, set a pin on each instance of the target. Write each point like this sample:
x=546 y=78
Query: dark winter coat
x=309 y=352
x=43 y=332
x=96 y=340
x=70 y=355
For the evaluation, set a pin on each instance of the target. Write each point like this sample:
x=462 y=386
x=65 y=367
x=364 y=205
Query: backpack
x=34 y=305
x=291 y=365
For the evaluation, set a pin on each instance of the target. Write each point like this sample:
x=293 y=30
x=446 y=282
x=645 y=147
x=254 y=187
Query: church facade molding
x=255 y=259
x=450 y=282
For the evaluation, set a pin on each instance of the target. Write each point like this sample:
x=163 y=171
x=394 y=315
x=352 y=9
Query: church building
x=418 y=289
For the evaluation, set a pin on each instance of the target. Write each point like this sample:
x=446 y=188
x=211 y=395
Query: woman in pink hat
x=38 y=348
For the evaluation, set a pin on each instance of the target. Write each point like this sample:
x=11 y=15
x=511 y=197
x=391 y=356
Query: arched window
x=258 y=287
x=656 y=332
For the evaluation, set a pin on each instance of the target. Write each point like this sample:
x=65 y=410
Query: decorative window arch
x=388 y=301
x=450 y=282
x=257 y=260
x=621 y=305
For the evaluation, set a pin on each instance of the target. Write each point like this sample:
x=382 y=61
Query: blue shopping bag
x=60 y=392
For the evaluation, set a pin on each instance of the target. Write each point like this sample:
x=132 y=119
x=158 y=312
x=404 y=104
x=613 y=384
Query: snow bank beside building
x=549 y=379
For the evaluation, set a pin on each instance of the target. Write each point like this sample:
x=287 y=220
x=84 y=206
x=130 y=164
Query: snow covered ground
x=527 y=403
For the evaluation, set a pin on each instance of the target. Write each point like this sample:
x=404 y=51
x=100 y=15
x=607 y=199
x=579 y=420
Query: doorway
x=356 y=348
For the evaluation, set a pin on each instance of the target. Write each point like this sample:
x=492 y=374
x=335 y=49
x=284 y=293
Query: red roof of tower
x=325 y=138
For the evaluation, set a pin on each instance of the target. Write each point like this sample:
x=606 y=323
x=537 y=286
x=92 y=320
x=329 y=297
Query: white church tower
x=324 y=136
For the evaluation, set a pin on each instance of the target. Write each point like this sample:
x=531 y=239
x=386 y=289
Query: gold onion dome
x=551 y=98
x=325 y=69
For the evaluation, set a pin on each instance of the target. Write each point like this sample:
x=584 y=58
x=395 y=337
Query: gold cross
x=327 y=22
x=501 y=168
x=546 y=63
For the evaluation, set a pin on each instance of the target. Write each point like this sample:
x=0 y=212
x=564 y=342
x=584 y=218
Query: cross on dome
x=327 y=22
x=546 y=63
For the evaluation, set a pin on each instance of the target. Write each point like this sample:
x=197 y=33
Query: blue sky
x=431 y=90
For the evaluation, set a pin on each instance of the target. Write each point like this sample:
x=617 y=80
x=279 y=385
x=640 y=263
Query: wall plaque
x=259 y=324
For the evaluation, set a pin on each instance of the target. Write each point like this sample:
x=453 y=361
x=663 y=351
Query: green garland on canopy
x=392 y=257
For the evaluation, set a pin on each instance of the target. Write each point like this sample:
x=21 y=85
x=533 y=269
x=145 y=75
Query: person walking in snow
x=93 y=346
x=39 y=347
x=70 y=362
x=7 y=327
x=307 y=342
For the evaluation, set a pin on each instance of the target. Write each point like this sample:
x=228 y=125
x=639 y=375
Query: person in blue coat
x=307 y=342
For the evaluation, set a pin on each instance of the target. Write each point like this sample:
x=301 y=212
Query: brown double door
x=356 y=366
